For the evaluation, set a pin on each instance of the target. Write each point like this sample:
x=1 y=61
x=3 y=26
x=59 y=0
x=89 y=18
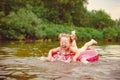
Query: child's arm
x=84 y=60
x=75 y=57
x=49 y=55
x=74 y=44
x=73 y=37
x=77 y=54
x=51 y=52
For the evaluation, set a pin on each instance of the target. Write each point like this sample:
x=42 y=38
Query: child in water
x=68 y=47
x=85 y=47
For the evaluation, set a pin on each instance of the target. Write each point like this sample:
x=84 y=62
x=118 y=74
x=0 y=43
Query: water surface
x=21 y=61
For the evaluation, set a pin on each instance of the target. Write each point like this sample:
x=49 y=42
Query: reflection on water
x=21 y=61
x=23 y=49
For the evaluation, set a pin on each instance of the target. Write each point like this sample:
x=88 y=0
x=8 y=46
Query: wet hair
x=65 y=35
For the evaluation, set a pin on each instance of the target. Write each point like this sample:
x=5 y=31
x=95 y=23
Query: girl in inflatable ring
x=68 y=47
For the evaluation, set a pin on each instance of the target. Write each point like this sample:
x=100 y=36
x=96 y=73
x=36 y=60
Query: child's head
x=65 y=40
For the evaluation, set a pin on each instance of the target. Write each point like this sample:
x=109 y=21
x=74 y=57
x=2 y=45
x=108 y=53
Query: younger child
x=68 y=47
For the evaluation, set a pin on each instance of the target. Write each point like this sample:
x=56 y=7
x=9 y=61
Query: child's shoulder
x=73 y=49
x=56 y=49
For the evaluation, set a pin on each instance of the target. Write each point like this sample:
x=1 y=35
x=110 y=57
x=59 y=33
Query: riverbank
x=79 y=42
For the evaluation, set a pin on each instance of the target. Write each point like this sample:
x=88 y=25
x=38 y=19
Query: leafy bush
x=96 y=34
x=110 y=33
x=22 y=22
x=99 y=19
x=45 y=19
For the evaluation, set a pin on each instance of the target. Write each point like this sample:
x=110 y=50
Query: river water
x=21 y=61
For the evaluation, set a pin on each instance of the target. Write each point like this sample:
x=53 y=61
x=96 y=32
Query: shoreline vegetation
x=56 y=40
x=47 y=33
x=40 y=20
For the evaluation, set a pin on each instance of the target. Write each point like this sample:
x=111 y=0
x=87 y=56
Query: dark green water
x=24 y=49
x=21 y=61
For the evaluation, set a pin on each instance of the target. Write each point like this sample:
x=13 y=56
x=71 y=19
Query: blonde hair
x=65 y=35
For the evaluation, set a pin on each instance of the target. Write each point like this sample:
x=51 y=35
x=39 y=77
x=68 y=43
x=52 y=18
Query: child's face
x=65 y=43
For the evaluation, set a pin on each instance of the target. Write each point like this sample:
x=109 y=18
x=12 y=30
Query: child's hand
x=73 y=35
x=74 y=60
x=84 y=60
x=73 y=32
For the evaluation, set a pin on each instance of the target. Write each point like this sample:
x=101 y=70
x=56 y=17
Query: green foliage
x=118 y=22
x=64 y=11
x=100 y=19
x=46 y=19
x=51 y=31
x=111 y=33
x=88 y=33
x=94 y=33
x=22 y=22
x=40 y=32
x=117 y=29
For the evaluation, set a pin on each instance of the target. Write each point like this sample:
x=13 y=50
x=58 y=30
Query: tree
x=64 y=11
x=100 y=19
x=22 y=23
